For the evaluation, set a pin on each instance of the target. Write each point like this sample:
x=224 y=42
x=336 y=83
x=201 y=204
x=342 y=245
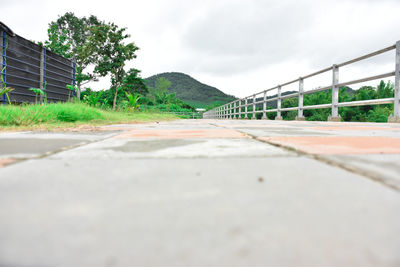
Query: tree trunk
x=115 y=96
x=78 y=93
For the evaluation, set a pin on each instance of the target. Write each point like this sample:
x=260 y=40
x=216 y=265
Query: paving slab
x=202 y=193
x=17 y=145
x=125 y=148
x=195 y=212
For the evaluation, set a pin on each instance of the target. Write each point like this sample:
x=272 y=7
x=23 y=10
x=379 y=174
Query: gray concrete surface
x=194 y=193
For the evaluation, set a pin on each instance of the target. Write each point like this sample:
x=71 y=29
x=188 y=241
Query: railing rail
x=234 y=109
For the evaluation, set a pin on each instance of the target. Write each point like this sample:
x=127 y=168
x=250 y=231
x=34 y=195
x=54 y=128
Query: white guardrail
x=238 y=109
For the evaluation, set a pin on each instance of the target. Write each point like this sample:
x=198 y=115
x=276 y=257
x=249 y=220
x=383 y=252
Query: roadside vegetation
x=99 y=49
x=56 y=115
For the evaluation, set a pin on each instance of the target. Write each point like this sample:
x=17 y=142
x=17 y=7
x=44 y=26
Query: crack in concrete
x=367 y=174
x=56 y=151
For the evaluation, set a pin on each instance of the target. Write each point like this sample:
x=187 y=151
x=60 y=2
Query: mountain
x=190 y=90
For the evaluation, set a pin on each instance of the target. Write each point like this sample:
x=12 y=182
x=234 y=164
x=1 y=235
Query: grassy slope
x=69 y=115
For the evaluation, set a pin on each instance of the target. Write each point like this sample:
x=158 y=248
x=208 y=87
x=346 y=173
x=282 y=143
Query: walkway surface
x=202 y=193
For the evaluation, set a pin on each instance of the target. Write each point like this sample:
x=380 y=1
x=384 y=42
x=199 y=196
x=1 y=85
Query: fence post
x=279 y=104
x=78 y=92
x=264 y=116
x=300 y=116
x=395 y=117
x=3 y=65
x=245 y=108
x=335 y=95
x=225 y=111
x=234 y=109
x=240 y=109
x=42 y=72
x=253 y=117
x=237 y=110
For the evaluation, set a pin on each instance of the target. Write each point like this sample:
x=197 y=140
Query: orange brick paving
x=352 y=128
x=340 y=145
x=5 y=162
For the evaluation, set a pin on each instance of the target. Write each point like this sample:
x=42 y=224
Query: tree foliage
x=113 y=55
x=68 y=36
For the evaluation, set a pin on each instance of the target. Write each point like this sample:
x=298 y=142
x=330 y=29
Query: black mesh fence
x=26 y=65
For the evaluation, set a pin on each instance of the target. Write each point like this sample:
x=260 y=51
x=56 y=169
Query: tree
x=68 y=36
x=159 y=92
x=113 y=53
x=133 y=83
x=162 y=85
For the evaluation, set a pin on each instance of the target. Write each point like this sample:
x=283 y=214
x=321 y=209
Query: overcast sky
x=240 y=47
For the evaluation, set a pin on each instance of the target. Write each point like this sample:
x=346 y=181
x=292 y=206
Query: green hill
x=192 y=91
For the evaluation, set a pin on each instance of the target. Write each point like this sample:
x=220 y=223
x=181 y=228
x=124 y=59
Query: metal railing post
x=237 y=110
x=300 y=116
x=264 y=116
x=240 y=108
x=253 y=117
x=225 y=111
x=335 y=95
x=42 y=78
x=3 y=65
x=234 y=109
x=78 y=92
x=279 y=104
x=245 y=108
x=395 y=117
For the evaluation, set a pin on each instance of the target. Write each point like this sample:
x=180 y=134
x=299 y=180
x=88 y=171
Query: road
x=202 y=193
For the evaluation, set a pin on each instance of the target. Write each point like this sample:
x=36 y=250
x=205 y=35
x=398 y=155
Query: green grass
x=70 y=114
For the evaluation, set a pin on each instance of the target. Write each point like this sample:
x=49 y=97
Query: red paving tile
x=339 y=145
x=5 y=162
x=181 y=134
x=352 y=128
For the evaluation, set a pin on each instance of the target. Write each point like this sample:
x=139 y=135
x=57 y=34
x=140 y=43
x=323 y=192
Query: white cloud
x=241 y=47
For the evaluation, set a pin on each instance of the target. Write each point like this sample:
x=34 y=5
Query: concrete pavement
x=202 y=193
